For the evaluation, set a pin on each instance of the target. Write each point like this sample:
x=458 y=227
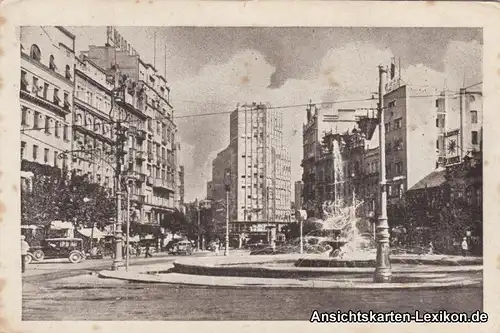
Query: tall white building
x=260 y=166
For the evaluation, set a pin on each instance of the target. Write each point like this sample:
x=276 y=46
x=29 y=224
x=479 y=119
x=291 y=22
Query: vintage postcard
x=252 y=165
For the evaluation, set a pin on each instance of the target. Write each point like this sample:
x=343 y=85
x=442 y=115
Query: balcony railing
x=140 y=155
x=139 y=198
x=141 y=133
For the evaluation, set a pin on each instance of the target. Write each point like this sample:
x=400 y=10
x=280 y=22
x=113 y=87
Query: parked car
x=71 y=248
x=182 y=247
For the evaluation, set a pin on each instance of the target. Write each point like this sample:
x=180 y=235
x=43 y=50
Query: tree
x=56 y=196
x=176 y=222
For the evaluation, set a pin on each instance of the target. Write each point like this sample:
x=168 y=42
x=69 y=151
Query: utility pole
x=383 y=265
x=198 y=211
x=227 y=184
x=127 y=251
x=119 y=154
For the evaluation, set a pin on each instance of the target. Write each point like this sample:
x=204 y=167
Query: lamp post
x=86 y=200
x=127 y=250
x=302 y=216
x=227 y=184
x=383 y=265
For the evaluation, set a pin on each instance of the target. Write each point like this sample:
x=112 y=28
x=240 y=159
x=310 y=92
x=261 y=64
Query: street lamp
x=227 y=184
x=383 y=265
x=367 y=125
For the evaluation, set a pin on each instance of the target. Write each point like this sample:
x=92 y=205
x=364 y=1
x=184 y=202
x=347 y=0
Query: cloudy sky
x=213 y=69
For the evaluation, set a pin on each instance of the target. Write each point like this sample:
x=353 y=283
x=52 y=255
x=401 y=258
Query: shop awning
x=87 y=232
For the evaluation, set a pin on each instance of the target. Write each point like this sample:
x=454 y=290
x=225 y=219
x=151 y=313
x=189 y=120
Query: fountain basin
x=285 y=267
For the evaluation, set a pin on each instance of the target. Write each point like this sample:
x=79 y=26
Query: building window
x=387 y=127
x=56 y=96
x=397 y=123
x=437 y=122
x=399 y=168
x=52 y=63
x=46 y=155
x=35 y=152
x=475 y=139
x=65 y=132
x=67 y=72
x=36 y=119
x=24 y=81
x=66 y=101
x=47 y=125
x=392 y=104
x=437 y=144
x=35 y=52
x=35 y=85
x=473 y=117
x=23 y=149
x=55 y=158
x=56 y=129
x=437 y=102
x=45 y=90
x=24 y=113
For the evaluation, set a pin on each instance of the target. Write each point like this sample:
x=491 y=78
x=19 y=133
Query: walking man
x=465 y=247
x=24 y=252
x=147 y=254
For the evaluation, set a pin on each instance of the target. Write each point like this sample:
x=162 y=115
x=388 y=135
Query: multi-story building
x=93 y=130
x=318 y=163
x=148 y=118
x=410 y=135
x=260 y=193
x=459 y=122
x=46 y=95
x=299 y=199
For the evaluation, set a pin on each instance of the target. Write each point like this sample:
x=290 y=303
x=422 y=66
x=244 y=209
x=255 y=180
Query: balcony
x=163 y=184
x=149 y=181
x=141 y=176
x=131 y=154
x=139 y=198
x=140 y=134
x=140 y=155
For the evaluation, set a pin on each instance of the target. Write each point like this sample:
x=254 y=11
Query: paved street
x=75 y=293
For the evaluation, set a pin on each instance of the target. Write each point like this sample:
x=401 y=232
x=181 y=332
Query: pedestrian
x=24 y=252
x=431 y=248
x=465 y=247
x=147 y=254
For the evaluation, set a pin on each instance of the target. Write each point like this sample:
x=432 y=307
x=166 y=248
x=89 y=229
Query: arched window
x=35 y=52
x=79 y=119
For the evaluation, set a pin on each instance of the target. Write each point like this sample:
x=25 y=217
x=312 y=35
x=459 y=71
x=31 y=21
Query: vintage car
x=182 y=247
x=71 y=248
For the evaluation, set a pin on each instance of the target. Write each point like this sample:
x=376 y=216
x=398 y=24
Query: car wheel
x=75 y=257
x=28 y=259
x=38 y=255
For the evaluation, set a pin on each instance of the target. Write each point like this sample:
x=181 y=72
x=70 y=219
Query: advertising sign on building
x=451 y=142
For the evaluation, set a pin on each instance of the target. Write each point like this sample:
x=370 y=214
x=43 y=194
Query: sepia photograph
x=241 y=170
x=225 y=165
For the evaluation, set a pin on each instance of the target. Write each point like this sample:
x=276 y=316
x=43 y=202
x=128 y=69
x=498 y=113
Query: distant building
x=259 y=160
x=299 y=186
x=318 y=163
x=459 y=121
x=410 y=134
